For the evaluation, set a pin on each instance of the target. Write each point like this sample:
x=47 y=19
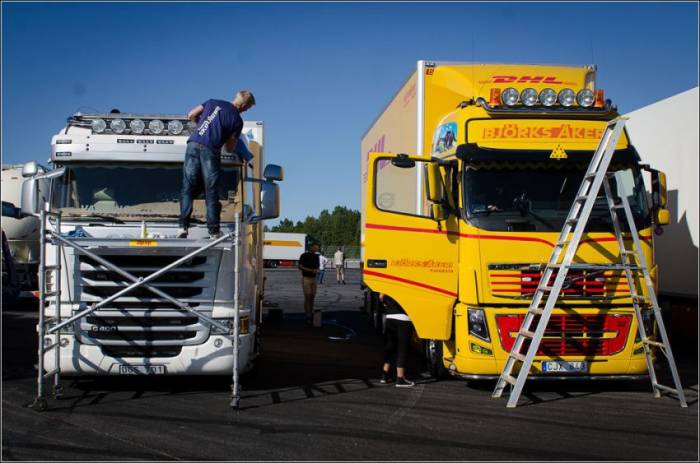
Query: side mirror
x=402 y=161
x=30 y=169
x=435 y=188
x=273 y=172
x=269 y=201
x=438 y=212
x=35 y=190
x=659 y=193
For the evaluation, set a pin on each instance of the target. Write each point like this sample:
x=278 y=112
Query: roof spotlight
x=548 y=97
x=585 y=98
x=529 y=97
x=156 y=126
x=509 y=96
x=567 y=97
x=98 y=125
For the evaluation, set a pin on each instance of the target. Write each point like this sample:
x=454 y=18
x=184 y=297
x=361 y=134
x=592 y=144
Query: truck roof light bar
x=133 y=123
x=607 y=109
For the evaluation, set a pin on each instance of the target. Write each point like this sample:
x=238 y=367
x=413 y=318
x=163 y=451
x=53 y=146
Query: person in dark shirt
x=219 y=123
x=309 y=265
x=397 y=339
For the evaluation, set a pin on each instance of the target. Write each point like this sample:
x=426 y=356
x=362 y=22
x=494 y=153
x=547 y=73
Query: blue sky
x=320 y=72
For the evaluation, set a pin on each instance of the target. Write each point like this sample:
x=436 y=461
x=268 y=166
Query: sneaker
x=385 y=379
x=215 y=235
x=403 y=382
x=343 y=281
x=181 y=233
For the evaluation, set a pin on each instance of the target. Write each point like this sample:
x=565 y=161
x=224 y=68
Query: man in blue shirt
x=219 y=123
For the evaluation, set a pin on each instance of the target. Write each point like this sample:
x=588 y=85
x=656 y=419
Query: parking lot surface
x=315 y=395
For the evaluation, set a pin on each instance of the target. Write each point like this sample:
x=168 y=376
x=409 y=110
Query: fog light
x=156 y=126
x=117 y=126
x=218 y=343
x=98 y=125
x=175 y=127
x=585 y=98
x=64 y=342
x=47 y=342
x=137 y=126
x=548 y=97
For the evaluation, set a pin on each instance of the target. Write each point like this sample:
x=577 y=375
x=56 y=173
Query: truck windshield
x=503 y=196
x=144 y=191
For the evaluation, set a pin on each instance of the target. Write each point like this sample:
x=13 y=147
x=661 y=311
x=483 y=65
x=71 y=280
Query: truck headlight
x=509 y=96
x=548 y=97
x=477 y=324
x=529 y=97
x=566 y=97
x=156 y=126
x=175 y=127
x=243 y=324
x=117 y=126
x=137 y=126
x=98 y=125
x=585 y=98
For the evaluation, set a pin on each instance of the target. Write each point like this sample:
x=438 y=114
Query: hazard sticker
x=143 y=243
x=558 y=153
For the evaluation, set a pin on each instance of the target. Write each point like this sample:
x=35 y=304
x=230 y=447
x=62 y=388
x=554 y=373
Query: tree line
x=341 y=227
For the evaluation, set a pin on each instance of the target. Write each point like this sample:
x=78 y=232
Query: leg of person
x=191 y=179
x=338 y=272
x=342 y=274
x=211 y=171
x=403 y=330
x=306 y=288
x=320 y=276
x=390 y=342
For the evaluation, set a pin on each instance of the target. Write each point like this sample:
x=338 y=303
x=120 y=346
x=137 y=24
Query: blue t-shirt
x=219 y=121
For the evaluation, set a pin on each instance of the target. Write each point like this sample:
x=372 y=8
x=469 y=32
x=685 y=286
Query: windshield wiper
x=97 y=216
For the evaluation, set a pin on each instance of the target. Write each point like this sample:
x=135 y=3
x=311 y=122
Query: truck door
x=408 y=255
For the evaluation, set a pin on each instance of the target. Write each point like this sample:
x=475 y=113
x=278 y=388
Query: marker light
x=175 y=127
x=585 y=98
x=156 y=126
x=509 y=96
x=548 y=97
x=137 y=126
x=599 y=98
x=98 y=125
x=117 y=125
x=567 y=97
x=495 y=97
x=529 y=96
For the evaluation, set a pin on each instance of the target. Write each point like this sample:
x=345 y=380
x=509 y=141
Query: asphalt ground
x=315 y=395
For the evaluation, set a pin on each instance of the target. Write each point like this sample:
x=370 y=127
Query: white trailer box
x=283 y=248
x=666 y=136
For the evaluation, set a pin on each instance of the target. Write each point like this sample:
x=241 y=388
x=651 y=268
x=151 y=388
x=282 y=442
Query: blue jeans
x=201 y=168
x=320 y=275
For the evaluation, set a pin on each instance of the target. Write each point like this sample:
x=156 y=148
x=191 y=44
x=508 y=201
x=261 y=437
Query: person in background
x=219 y=124
x=322 y=261
x=339 y=261
x=309 y=265
x=397 y=338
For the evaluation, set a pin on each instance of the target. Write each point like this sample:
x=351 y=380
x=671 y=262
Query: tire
x=433 y=357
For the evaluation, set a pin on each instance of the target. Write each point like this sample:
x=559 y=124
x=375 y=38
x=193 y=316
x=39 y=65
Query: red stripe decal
x=493 y=237
x=409 y=282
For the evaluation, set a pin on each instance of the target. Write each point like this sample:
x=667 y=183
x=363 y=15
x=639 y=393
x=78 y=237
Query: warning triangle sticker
x=558 y=153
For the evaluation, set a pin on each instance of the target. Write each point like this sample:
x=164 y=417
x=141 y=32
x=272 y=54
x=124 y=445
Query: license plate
x=561 y=366
x=142 y=369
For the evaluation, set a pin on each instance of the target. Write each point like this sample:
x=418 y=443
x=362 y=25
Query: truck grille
x=571 y=335
x=520 y=282
x=146 y=352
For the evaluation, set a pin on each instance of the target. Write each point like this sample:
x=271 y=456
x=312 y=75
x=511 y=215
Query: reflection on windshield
x=537 y=197
x=136 y=192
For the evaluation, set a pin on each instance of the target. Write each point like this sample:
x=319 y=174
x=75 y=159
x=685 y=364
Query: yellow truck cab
x=467 y=178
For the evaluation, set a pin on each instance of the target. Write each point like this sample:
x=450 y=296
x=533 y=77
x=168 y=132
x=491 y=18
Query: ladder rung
x=653 y=343
x=628 y=252
x=581 y=199
x=561 y=244
x=52 y=294
x=526 y=333
x=52 y=267
x=617 y=206
x=545 y=288
x=590 y=175
x=536 y=311
x=509 y=379
x=640 y=298
x=49 y=374
x=572 y=221
x=50 y=347
x=517 y=356
x=666 y=388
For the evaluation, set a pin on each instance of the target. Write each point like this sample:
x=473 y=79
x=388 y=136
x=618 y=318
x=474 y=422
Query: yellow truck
x=467 y=177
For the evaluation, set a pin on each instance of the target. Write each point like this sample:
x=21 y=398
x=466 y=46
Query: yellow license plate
x=143 y=243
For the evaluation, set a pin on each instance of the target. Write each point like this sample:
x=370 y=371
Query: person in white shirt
x=339 y=261
x=322 y=261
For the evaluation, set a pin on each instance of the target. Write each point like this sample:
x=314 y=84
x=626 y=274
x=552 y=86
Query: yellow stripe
x=283 y=243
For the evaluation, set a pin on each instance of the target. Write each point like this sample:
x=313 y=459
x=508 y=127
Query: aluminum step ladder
x=632 y=263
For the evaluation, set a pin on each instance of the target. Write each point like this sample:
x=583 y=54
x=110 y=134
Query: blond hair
x=246 y=98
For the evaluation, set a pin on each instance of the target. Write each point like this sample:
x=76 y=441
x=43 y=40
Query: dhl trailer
x=467 y=177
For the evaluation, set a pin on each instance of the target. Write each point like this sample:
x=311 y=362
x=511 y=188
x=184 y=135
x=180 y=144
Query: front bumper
x=203 y=359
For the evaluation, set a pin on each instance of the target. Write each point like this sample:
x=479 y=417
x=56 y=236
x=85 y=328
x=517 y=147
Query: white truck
x=119 y=293
x=284 y=249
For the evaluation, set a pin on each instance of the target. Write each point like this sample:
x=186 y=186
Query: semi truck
x=111 y=214
x=284 y=249
x=22 y=233
x=467 y=177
